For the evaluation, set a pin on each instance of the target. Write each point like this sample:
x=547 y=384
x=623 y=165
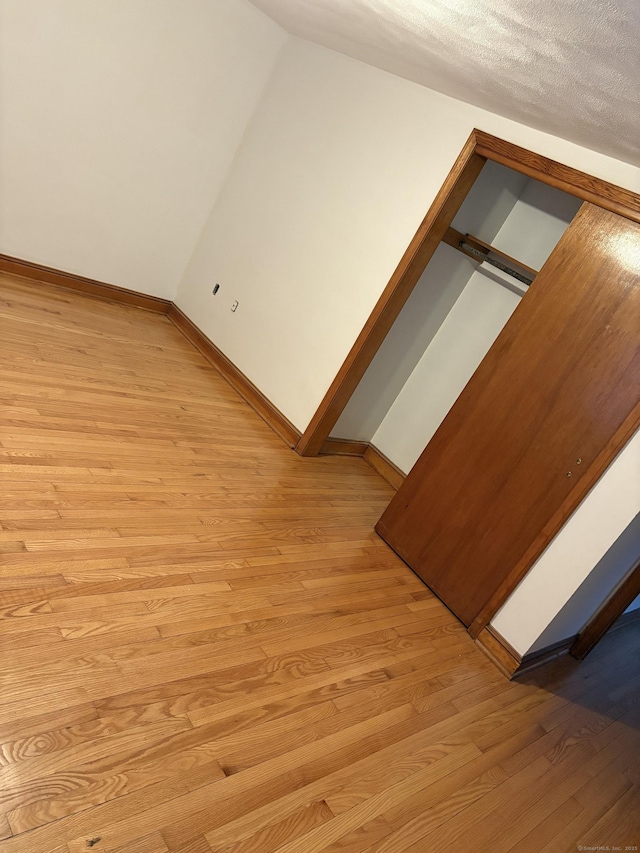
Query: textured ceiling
x=570 y=67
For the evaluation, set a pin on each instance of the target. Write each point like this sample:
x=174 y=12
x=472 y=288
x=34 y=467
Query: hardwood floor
x=206 y=648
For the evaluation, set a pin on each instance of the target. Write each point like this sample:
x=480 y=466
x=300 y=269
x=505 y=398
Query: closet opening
x=501 y=236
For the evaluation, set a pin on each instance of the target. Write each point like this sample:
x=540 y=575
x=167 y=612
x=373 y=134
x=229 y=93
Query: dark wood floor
x=206 y=648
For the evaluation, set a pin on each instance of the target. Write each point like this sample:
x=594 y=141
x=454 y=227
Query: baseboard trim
x=384 y=466
x=344 y=447
x=112 y=293
x=247 y=390
x=512 y=663
x=88 y=286
x=370 y=453
x=499 y=651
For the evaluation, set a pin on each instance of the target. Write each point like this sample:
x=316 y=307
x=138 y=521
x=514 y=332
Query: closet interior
x=503 y=233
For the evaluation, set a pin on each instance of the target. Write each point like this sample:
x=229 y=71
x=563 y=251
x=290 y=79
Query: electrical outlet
x=234 y=305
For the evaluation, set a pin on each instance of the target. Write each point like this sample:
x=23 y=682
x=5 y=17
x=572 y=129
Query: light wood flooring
x=206 y=648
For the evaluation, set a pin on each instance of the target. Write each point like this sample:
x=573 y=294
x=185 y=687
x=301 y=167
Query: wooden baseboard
x=344 y=447
x=247 y=390
x=384 y=466
x=370 y=453
x=501 y=653
x=512 y=663
x=89 y=286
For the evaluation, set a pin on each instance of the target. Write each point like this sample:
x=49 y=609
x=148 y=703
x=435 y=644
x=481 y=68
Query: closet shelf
x=480 y=251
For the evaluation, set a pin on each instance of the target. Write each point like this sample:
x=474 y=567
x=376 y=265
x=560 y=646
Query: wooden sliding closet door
x=550 y=401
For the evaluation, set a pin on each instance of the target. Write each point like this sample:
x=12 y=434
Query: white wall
x=607 y=511
x=337 y=169
x=119 y=122
x=536 y=223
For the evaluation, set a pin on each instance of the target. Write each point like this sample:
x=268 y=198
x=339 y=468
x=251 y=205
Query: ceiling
x=569 y=67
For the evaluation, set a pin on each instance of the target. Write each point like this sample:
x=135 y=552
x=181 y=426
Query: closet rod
x=494 y=263
x=478 y=250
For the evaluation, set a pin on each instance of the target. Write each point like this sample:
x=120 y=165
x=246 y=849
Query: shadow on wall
x=606 y=682
x=613 y=695
x=597 y=586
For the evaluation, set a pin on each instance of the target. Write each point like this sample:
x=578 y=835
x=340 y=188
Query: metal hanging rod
x=484 y=256
x=477 y=249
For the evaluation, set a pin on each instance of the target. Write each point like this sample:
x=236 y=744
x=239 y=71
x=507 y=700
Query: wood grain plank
x=252 y=837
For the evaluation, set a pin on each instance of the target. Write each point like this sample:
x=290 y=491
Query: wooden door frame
x=479 y=148
x=608 y=613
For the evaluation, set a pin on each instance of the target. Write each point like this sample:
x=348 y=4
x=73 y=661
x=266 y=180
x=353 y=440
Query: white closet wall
x=424 y=313
x=450 y=360
x=537 y=221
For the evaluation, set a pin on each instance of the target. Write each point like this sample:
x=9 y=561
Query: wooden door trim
x=586 y=187
x=479 y=148
x=608 y=613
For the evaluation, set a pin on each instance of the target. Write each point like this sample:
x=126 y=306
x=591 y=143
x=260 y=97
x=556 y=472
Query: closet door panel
x=557 y=385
